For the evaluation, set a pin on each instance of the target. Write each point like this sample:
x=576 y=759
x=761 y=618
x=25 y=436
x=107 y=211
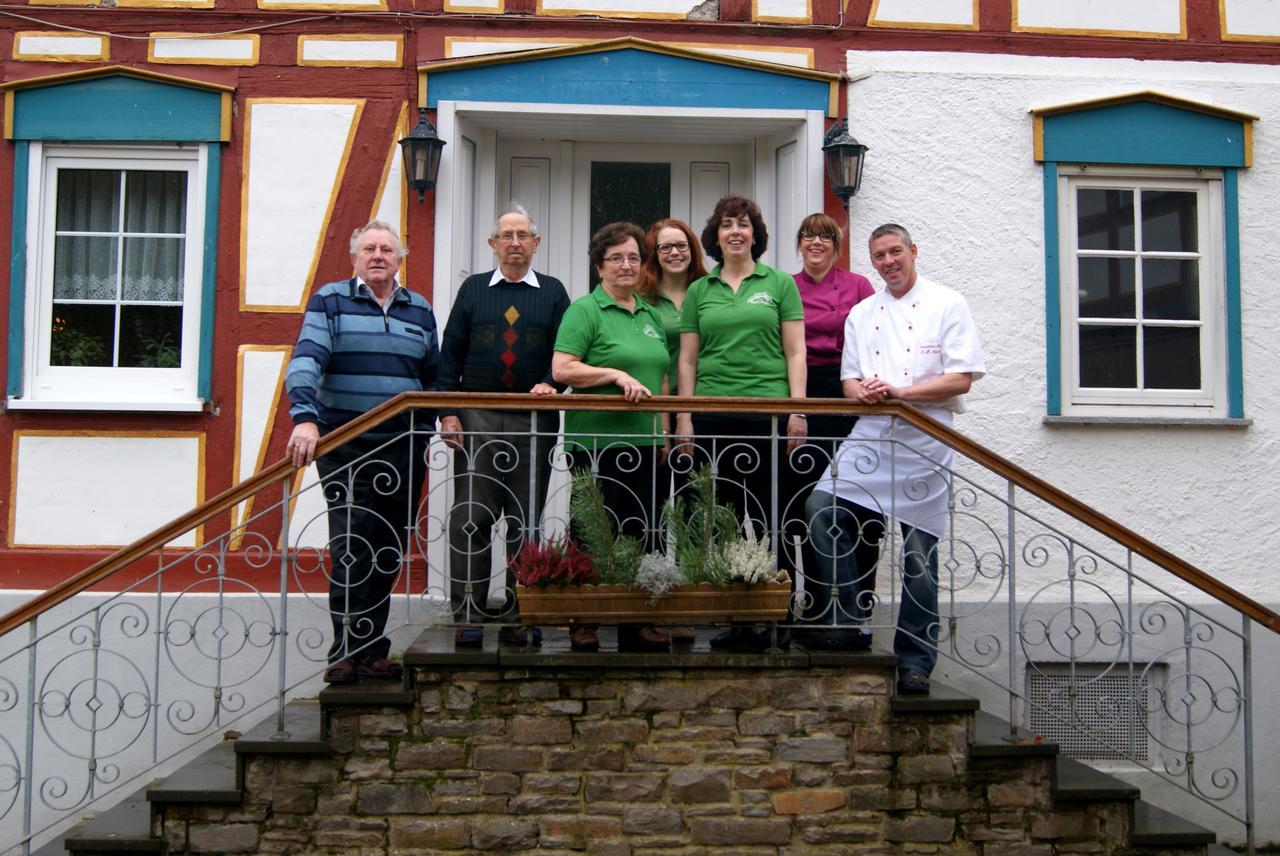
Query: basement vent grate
x=1105 y=716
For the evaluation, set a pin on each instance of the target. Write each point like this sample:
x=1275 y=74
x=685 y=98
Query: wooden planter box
x=618 y=604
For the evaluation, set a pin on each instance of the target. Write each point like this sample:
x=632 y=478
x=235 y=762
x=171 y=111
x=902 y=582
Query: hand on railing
x=301 y=447
x=451 y=431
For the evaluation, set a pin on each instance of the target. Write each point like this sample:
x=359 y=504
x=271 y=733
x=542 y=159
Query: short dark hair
x=612 y=234
x=819 y=223
x=735 y=205
x=891 y=229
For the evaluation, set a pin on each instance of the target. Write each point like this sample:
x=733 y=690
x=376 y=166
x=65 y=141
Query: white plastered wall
x=950 y=158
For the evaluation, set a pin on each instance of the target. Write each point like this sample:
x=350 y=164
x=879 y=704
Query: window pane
x=1104 y=219
x=1169 y=223
x=1107 y=288
x=1108 y=357
x=81 y=335
x=88 y=200
x=639 y=192
x=153 y=268
x=84 y=268
x=1171 y=289
x=155 y=201
x=151 y=336
x=1171 y=357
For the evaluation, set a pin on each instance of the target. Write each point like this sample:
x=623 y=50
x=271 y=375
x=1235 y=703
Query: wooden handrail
x=407 y=401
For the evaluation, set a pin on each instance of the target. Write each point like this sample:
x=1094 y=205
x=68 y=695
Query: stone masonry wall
x=678 y=762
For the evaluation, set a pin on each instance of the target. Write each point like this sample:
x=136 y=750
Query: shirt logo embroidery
x=931 y=348
x=760 y=297
x=649 y=331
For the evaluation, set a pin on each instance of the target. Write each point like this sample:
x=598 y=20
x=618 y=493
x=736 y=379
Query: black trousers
x=372 y=487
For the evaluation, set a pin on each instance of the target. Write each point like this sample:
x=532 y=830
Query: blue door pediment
x=117 y=103
x=629 y=72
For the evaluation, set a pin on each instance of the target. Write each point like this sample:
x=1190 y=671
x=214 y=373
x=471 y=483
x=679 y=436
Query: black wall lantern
x=845 y=157
x=422 y=150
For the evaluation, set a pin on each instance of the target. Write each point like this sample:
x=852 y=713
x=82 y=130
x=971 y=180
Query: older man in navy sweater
x=364 y=340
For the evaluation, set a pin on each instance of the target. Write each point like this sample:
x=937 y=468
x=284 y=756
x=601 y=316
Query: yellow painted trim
x=1145 y=95
x=807 y=18
x=833 y=99
x=103 y=54
x=238 y=518
x=157 y=435
x=807 y=53
x=475 y=10
x=873 y=20
x=253 y=60
x=1228 y=36
x=328 y=212
x=1037 y=137
x=63 y=3
x=298 y=476
x=288 y=5
x=362 y=63
x=401 y=130
x=539 y=9
x=1248 y=144
x=8 y=114
x=615 y=44
x=149 y=4
x=450 y=41
x=225 y=125
x=107 y=71
x=1123 y=34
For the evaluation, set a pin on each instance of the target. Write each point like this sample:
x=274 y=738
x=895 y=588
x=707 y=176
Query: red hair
x=651 y=273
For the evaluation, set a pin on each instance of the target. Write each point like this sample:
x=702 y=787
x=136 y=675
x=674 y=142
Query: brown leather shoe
x=642 y=638
x=683 y=635
x=379 y=667
x=341 y=672
x=584 y=638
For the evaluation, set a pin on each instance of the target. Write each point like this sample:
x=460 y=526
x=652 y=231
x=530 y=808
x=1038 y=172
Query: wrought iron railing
x=99 y=687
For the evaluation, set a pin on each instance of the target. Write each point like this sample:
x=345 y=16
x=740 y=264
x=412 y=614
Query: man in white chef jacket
x=914 y=341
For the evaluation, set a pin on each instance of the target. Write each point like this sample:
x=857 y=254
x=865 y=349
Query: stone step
x=302 y=733
x=1076 y=782
x=213 y=777
x=993 y=738
x=123 y=828
x=1155 y=827
x=940 y=699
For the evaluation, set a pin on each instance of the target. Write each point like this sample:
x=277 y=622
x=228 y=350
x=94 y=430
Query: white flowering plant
x=750 y=561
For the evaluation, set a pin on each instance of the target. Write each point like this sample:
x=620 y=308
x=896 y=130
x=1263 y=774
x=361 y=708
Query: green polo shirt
x=740 y=350
x=601 y=333
x=670 y=316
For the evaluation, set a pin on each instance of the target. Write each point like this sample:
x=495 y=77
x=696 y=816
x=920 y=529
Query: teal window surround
x=1148 y=130
x=120 y=106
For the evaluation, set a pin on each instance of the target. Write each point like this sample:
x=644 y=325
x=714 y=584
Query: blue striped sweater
x=351 y=356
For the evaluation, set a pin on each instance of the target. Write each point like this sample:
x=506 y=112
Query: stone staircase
x=547 y=751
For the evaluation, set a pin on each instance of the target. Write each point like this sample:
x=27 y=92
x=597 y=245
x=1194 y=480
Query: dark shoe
x=584 y=638
x=341 y=672
x=818 y=639
x=912 y=683
x=741 y=640
x=468 y=637
x=646 y=637
x=517 y=635
x=683 y=635
x=380 y=668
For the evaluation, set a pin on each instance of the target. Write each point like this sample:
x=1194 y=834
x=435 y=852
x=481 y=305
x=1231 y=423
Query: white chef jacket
x=895 y=468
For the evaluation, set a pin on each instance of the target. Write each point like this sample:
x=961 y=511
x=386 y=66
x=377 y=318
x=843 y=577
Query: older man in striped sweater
x=363 y=340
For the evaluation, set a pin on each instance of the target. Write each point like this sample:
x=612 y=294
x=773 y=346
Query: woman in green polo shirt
x=742 y=334
x=611 y=342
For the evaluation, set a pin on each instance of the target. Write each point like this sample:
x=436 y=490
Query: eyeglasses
x=677 y=247
x=824 y=237
x=620 y=260
x=513 y=237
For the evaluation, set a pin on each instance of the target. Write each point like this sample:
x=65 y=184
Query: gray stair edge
x=302 y=734
x=212 y=777
x=123 y=828
x=941 y=698
x=1153 y=826
x=993 y=738
x=1074 y=781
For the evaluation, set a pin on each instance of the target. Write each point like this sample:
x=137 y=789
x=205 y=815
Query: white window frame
x=109 y=388
x=1211 y=399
